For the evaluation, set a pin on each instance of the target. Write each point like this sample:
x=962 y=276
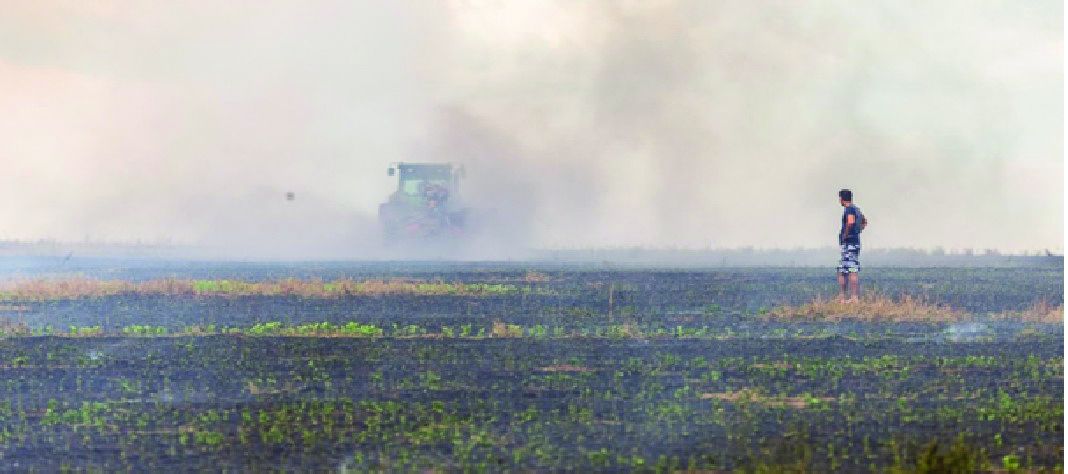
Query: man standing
x=853 y=222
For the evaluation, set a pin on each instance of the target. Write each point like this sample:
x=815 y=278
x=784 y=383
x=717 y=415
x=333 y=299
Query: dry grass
x=871 y=307
x=14 y=308
x=70 y=288
x=755 y=397
x=501 y=329
x=564 y=368
x=535 y=277
x=1040 y=312
x=10 y=326
x=632 y=330
x=255 y=389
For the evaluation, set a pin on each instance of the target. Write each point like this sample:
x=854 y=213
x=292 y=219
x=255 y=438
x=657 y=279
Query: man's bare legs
x=848 y=287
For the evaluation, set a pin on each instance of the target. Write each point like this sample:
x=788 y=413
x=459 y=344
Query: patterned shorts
x=850 y=262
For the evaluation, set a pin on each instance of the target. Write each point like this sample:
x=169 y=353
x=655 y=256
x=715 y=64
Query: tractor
x=426 y=203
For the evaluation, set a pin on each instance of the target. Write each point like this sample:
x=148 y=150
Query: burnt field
x=524 y=367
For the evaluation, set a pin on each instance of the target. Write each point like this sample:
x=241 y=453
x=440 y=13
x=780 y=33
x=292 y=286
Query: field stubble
x=534 y=370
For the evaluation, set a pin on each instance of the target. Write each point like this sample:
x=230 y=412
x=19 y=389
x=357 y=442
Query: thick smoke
x=735 y=123
x=588 y=124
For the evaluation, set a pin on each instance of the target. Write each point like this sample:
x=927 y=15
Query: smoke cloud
x=605 y=123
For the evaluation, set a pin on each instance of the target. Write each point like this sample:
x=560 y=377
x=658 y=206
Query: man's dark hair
x=846 y=195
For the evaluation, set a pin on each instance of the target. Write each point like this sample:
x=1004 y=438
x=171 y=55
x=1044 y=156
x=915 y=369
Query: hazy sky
x=593 y=123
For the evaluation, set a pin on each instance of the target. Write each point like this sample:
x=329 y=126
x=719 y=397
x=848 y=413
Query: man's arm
x=851 y=220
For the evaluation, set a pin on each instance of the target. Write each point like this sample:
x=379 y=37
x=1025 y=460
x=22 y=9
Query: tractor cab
x=425 y=202
x=426 y=183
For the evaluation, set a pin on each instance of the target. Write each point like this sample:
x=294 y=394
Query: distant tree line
x=749 y=256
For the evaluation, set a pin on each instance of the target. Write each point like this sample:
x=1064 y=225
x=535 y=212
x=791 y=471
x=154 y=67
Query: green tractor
x=425 y=204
